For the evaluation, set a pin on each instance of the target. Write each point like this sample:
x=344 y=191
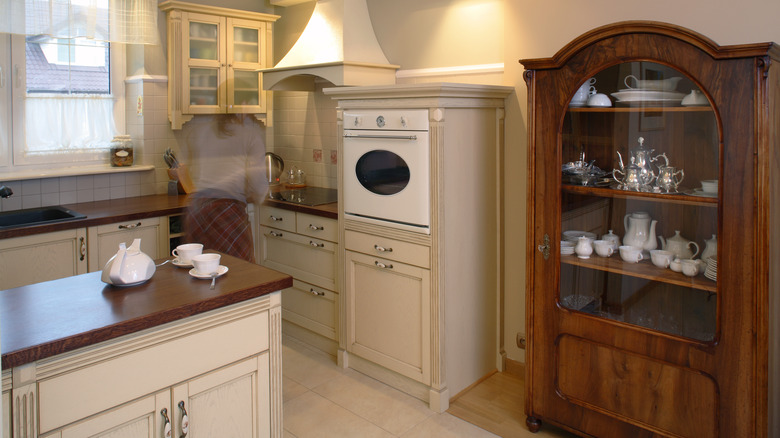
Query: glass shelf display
x=641 y=161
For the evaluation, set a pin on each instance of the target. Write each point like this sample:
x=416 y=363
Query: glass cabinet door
x=639 y=155
x=204 y=73
x=245 y=57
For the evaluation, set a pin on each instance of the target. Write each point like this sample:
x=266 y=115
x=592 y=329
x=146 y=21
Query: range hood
x=338 y=44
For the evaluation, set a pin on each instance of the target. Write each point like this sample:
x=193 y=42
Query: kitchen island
x=81 y=357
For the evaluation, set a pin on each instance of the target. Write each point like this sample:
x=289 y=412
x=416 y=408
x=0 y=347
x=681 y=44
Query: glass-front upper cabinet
x=214 y=65
x=639 y=156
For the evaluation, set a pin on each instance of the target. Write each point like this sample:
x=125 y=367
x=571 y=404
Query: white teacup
x=675 y=265
x=185 y=252
x=599 y=100
x=581 y=96
x=206 y=264
x=630 y=254
x=603 y=248
x=661 y=258
x=709 y=186
x=690 y=267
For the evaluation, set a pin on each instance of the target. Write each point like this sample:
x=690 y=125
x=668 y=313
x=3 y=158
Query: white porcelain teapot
x=640 y=230
x=129 y=266
x=679 y=246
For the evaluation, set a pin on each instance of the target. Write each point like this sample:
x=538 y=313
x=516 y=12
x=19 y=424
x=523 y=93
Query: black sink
x=37 y=216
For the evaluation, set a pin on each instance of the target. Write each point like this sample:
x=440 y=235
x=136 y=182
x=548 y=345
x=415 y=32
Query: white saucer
x=220 y=272
x=131 y=284
x=176 y=262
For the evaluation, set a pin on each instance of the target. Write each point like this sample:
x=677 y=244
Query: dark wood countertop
x=54 y=317
x=326 y=210
x=108 y=212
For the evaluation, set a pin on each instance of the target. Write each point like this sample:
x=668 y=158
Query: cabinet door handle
x=382 y=265
x=185 y=420
x=316 y=292
x=315 y=244
x=130 y=226
x=315 y=228
x=544 y=248
x=166 y=423
x=275 y=234
x=382 y=248
x=82 y=249
x=276 y=219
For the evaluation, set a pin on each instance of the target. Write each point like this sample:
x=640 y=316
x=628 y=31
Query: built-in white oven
x=386 y=163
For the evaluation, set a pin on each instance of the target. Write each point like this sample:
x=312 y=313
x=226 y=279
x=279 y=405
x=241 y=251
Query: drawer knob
x=277 y=219
x=382 y=265
x=315 y=228
x=130 y=226
x=316 y=292
x=166 y=423
x=275 y=234
x=382 y=248
x=185 y=420
x=316 y=244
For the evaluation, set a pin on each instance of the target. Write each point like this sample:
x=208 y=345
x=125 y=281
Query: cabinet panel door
x=23 y=259
x=104 y=240
x=137 y=419
x=388 y=314
x=311 y=307
x=245 y=54
x=232 y=401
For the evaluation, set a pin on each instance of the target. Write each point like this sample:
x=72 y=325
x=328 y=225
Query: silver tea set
x=639 y=175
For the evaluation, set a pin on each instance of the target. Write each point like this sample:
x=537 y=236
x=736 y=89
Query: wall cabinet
x=42 y=257
x=304 y=246
x=103 y=240
x=624 y=348
x=214 y=55
x=181 y=375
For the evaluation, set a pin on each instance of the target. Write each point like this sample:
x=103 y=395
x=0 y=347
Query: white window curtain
x=118 y=21
x=66 y=125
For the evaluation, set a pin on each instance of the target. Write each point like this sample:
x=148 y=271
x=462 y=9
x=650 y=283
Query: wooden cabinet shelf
x=678 y=198
x=643 y=109
x=643 y=269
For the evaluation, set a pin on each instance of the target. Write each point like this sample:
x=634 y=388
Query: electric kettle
x=129 y=266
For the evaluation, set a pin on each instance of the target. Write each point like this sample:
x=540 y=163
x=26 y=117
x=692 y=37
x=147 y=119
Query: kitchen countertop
x=54 y=317
x=125 y=209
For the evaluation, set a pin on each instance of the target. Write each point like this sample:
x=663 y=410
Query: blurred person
x=226 y=156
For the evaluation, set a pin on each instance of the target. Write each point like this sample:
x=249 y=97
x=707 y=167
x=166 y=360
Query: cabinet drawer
x=317 y=226
x=303 y=257
x=387 y=248
x=311 y=307
x=277 y=218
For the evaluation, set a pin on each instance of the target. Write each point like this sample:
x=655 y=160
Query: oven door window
x=382 y=172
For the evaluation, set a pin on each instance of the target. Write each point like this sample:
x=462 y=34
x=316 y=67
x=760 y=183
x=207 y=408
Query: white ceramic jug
x=710 y=248
x=639 y=227
x=129 y=266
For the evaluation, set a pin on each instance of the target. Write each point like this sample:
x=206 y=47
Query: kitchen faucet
x=5 y=192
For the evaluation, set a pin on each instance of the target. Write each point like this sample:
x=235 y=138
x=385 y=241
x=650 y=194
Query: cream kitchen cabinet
x=103 y=240
x=304 y=246
x=389 y=304
x=182 y=372
x=42 y=257
x=214 y=55
x=6 y=402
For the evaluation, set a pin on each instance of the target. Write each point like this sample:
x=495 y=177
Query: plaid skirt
x=221 y=225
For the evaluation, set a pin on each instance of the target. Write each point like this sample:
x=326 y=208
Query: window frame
x=13 y=157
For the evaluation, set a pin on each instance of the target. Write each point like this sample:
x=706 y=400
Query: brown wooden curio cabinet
x=653 y=266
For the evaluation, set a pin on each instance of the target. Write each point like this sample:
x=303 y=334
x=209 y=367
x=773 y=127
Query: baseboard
x=514 y=368
x=472 y=386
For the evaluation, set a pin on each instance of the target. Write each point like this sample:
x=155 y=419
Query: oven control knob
x=380 y=121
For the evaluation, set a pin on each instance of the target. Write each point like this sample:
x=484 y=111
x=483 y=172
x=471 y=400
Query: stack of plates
x=632 y=95
x=567 y=248
x=712 y=269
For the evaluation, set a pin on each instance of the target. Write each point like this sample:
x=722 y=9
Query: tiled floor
x=323 y=400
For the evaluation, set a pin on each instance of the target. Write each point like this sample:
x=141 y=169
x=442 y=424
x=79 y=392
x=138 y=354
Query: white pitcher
x=639 y=226
x=710 y=248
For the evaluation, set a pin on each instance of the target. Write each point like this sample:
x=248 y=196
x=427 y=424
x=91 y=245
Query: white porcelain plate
x=634 y=95
x=220 y=272
x=701 y=193
x=177 y=263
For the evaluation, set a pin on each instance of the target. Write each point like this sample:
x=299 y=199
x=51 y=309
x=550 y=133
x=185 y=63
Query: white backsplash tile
x=31 y=201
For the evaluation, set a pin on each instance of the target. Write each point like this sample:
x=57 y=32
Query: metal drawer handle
x=82 y=249
x=382 y=248
x=185 y=420
x=316 y=292
x=127 y=227
x=382 y=265
x=166 y=423
x=277 y=219
x=315 y=244
x=315 y=228
x=275 y=234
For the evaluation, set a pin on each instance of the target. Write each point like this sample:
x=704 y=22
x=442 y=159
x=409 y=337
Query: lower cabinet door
x=42 y=257
x=388 y=314
x=232 y=401
x=142 y=418
x=311 y=307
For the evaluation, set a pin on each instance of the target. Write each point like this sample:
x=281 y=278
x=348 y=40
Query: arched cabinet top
x=627 y=28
